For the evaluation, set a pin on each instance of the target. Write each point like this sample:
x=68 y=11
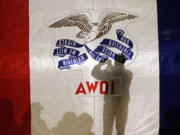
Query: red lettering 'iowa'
x=92 y=87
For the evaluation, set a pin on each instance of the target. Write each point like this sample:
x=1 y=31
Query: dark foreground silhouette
x=8 y=125
x=172 y=126
x=116 y=105
x=38 y=125
x=70 y=124
x=73 y=125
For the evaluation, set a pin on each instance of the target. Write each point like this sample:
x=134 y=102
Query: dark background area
x=169 y=49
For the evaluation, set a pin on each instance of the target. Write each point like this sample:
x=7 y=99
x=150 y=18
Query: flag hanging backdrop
x=67 y=44
x=78 y=82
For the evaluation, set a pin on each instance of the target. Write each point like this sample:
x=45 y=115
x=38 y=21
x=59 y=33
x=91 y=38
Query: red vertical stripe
x=14 y=68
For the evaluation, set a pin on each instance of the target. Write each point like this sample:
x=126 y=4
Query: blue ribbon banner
x=100 y=54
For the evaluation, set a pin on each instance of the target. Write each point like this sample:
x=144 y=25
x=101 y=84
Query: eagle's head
x=91 y=36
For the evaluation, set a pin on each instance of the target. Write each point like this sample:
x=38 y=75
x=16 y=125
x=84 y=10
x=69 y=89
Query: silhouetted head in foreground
x=85 y=121
x=37 y=108
x=6 y=112
x=172 y=115
x=172 y=126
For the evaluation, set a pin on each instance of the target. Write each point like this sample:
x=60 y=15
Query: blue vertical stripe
x=169 y=47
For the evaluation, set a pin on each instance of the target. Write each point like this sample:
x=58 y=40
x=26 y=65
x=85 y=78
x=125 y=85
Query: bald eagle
x=91 y=31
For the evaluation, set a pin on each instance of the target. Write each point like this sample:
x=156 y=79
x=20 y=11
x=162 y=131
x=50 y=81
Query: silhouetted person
x=38 y=126
x=172 y=126
x=85 y=123
x=25 y=127
x=67 y=126
x=116 y=105
x=8 y=125
x=73 y=125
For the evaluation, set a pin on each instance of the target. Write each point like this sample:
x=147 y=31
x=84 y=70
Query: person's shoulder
x=128 y=73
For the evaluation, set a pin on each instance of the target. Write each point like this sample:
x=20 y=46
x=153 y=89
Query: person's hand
x=109 y=61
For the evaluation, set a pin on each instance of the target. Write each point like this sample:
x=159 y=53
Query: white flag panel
x=79 y=84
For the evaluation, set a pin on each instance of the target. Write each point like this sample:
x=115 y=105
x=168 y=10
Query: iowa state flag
x=73 y=67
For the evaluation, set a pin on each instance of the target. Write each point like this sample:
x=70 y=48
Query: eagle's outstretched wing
x=108 y=19
x=79 y=20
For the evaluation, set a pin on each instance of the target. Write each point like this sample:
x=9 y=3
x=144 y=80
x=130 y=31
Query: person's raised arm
x=98 y=73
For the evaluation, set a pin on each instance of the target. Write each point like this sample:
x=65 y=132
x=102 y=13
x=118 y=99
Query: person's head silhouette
x=120 y=60
x=37 y=108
